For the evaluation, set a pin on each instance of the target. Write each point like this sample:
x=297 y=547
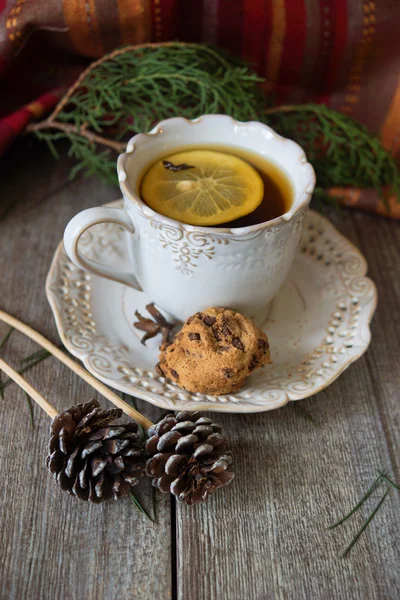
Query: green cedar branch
x=134 y=87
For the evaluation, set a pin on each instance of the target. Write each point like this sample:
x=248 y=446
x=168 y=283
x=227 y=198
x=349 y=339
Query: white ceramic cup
x=185 y=268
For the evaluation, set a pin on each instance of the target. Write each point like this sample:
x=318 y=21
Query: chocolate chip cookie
x=214 y=352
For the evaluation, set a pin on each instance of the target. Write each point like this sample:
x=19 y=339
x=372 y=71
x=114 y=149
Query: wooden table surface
x=298 y=468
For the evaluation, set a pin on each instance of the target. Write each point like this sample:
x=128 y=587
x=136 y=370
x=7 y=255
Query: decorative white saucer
x=318 y=324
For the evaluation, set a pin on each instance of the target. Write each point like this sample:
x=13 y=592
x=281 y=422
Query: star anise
x=152 y=327
x=171 y=167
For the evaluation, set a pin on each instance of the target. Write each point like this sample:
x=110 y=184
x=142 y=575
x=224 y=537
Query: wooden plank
x=379 y=240
x=383 y=256
x=265 y=536
x=54 y=546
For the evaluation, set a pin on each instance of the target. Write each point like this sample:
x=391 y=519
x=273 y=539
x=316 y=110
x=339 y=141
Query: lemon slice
x=219 y=188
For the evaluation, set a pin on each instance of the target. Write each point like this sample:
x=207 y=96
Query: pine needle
x=365 y=524
x=3 y=342
x=5 y=338
x=359 y=504
x=381 y=477
x=389 y=481
x=30 y=407
x=42 y=353
x=140 y=508
x=154 y=503
x=306 y=414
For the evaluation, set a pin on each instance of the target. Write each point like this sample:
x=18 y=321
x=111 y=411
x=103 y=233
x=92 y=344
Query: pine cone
x=188 y=457
x=92 y=459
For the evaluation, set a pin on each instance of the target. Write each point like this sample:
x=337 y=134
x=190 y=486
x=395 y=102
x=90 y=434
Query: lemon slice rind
x=220 y=188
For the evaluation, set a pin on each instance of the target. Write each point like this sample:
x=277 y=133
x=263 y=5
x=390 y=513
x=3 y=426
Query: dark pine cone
x=92 y=459
x=188 y=457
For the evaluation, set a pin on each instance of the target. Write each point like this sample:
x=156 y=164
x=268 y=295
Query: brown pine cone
x=92 y=459
x=188 y=457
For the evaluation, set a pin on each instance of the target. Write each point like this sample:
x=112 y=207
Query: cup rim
x=148 y=212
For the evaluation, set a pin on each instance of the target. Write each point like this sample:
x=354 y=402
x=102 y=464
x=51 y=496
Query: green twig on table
x=365 y=524
x=5 y=338
x=306 y=414
x=28 y=400
x=389 y=481
x=154 y=502
x=359 y=504
x=381 y=477
x=140 y=508
x=42 y=353
x=3 y=342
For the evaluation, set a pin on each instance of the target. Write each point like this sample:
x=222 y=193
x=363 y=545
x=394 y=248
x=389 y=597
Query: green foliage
x=133 y=88
x=341 y=150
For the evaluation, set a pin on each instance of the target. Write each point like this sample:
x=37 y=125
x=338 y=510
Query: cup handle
x=83 y=221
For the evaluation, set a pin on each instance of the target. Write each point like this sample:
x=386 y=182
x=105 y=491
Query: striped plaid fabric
x=345 y=53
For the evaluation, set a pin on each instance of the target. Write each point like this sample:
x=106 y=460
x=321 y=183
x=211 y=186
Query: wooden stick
x=66 y=360
x=47 y=407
